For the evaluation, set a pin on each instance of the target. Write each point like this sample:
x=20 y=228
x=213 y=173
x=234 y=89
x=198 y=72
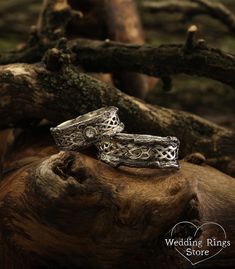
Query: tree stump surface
x=65 y=209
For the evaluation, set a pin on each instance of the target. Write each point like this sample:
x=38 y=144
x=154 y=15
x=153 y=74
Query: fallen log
x=37 y=93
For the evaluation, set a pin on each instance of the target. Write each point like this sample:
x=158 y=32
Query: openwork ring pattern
x=87 y=129
x=139 y=150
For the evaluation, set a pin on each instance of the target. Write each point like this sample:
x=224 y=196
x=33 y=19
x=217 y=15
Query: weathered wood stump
x=69 y=210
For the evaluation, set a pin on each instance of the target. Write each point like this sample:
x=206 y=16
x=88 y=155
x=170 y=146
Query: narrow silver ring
x=87 y=129
x=139 y=150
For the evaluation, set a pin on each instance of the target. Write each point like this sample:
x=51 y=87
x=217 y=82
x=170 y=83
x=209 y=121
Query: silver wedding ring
x=103 y=128
x=139 y=150
x=88 y=129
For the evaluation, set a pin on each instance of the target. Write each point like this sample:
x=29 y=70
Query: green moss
x=88 y=94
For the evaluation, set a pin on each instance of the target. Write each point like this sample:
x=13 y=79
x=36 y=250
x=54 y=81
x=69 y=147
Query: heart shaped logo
x=198 y=243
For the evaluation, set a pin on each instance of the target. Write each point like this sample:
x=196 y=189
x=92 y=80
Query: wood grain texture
x=69 y=210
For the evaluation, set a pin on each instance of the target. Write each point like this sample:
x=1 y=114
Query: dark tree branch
x=37 y=93
x=51 y=25
x=165 y=60
x=156 y=61
x=56 y=18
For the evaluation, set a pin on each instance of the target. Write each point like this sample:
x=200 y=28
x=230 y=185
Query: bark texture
x=37 y=93
x=159 y=61
x=162 y=61
x=66 y=18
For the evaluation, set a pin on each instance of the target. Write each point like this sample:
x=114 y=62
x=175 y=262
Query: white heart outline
x=197 y=228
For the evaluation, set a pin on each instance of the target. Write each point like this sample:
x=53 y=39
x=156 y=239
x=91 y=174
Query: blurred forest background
x=204 y=97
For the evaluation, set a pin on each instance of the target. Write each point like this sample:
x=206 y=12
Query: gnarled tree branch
x=107 y=56
x=37 y=93
x=156 y=61
x=57 y=17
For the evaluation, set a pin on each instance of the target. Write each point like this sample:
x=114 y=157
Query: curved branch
x=37 y=93
x=192 y=8
x=218 y=11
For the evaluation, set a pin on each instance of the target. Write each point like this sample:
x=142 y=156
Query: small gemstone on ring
x=90 y=132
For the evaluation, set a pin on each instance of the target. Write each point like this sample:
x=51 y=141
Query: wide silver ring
x=87 y=129
x=139 y=150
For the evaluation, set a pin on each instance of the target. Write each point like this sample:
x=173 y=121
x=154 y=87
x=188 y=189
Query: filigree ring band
x=139 y=150
x=87 y=129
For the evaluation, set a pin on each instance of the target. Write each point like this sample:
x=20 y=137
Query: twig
x=190 y=39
